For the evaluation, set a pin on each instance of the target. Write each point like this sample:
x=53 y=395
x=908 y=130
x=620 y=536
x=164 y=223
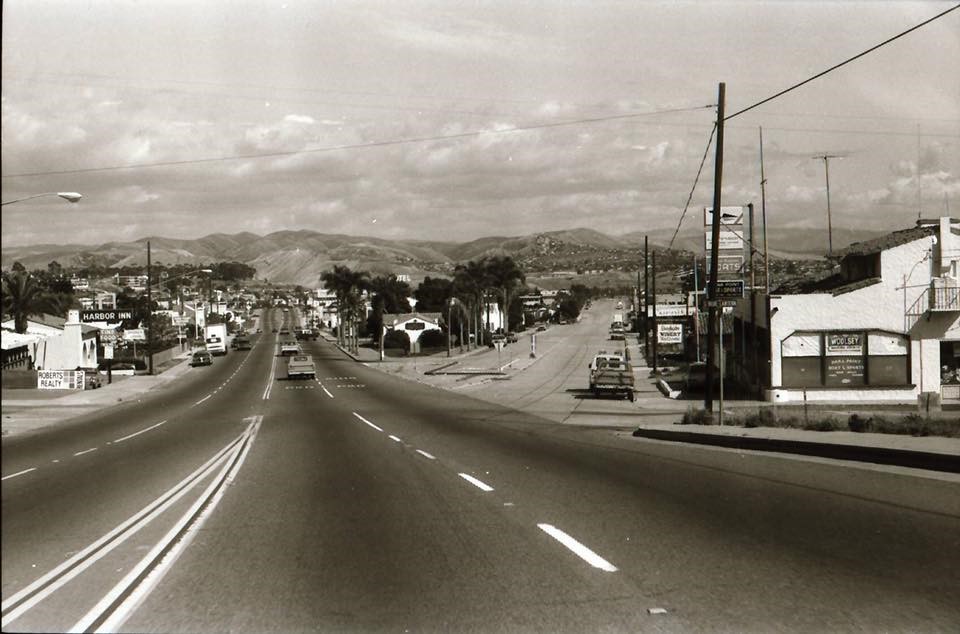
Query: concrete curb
x=878 y=455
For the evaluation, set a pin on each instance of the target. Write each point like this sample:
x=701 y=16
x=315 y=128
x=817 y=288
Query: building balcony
x=944 y=295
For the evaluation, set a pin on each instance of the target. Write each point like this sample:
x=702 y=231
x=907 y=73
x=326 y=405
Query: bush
x=697 y=417
x=765 y=417
x=860 y=425
x=433 y=339
x=825 y=424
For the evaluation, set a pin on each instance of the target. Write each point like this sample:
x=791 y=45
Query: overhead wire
x=354 y=146
x=843 y=63
x=696 y=180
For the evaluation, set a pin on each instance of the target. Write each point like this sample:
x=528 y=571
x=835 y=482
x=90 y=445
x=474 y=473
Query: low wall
x=19 y=379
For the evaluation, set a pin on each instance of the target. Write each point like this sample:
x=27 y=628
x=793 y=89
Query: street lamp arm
x=68 y=196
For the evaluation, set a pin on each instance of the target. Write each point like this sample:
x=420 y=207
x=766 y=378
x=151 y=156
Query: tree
x=347 y=285
x=23 y=297
x=390 y=296
x=503 y=274
x=434 y=294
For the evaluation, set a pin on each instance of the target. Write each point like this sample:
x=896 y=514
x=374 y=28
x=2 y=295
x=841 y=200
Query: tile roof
x=885 y=242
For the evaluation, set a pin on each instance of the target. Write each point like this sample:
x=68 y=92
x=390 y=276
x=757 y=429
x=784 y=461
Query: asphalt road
x=364 y=502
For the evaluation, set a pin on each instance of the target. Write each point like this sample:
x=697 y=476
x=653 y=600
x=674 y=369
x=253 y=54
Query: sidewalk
x=26 y=410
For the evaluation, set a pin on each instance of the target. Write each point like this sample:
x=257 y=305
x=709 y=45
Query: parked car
x=91 y=378
x=541 y=328
x=512 y=337
x=201 y=357
x=241 y=342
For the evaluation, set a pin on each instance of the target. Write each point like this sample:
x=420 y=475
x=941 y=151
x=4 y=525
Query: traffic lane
x=165 y=402
x=349 y=528
x=663 y=518
x=74 y=493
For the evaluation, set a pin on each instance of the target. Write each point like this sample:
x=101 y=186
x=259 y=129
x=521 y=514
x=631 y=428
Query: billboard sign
x=728 y=240
x=728 y=216
x=60 y=379
x=729 y=289
x=845 y=343
x=670 y=333
x=729 y=266
x=135 y=334
x=88 y=316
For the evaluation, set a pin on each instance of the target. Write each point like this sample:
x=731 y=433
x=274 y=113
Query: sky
x=454 y=120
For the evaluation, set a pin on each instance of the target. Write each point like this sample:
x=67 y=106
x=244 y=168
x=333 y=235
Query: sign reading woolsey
x=88 y=316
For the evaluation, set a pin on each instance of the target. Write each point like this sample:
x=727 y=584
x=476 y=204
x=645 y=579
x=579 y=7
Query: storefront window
x=845 y=359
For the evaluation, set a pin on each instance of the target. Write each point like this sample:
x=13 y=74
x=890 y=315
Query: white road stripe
x=18 y=473
x=327 y=391
x=394 y=438
x=425 y=454
x=142 y=431
x=202 y=400
x=367 y=422
x=25 y=599
x=80 y=453
x=477 y=483
x=175 y=541
x=577 y=548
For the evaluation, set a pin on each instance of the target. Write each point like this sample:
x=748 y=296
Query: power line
x=695 y=181
x=355 y=146
x=844 y=63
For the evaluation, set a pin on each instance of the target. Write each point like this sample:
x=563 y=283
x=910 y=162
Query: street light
x=68 y=196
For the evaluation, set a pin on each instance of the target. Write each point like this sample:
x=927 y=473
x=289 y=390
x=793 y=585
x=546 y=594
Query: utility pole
x=654 y=281
x=646 y=302
x=826 y=167
x=714 y=251
x=763 y=213
x=149 y=312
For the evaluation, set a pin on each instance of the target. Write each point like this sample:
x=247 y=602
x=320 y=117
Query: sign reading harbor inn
x=90 y=316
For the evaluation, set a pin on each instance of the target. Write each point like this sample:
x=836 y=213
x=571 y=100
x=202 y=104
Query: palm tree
x=503 y=274
x=23 y=297
x=470 y=284
x=346 y=284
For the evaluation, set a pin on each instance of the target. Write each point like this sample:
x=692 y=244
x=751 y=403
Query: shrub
x=860 y=425
x=825 y=424
x=697 y=417
x=764 y=417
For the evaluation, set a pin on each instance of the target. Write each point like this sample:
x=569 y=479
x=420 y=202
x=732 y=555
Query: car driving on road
x=201 y=358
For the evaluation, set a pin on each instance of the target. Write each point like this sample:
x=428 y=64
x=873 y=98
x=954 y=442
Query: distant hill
x=300 y=257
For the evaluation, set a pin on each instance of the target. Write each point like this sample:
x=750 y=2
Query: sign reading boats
x=88 y=316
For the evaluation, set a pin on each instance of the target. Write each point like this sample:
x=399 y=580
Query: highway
x=236 y=500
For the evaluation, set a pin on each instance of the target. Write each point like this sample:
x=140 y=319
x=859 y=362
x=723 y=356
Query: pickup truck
x=300 y=366
x=611 y=374
x=290 y=346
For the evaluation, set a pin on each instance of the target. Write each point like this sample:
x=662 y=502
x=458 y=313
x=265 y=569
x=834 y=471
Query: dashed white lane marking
x=477 y=483
x=18 y=473
x=142 y=431
x=578 y=549
x=425 y=454
x=80 y=453
x=367 y=422
x=203 y=399
x=395 y=439
x=327 y=391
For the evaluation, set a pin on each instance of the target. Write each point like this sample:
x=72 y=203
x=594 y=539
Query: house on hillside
x=886 y=327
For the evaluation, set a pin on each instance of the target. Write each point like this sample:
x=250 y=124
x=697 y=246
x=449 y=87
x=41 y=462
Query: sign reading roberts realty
x=60 y=379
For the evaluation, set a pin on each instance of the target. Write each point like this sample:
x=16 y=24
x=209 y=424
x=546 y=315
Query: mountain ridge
x=300 y=256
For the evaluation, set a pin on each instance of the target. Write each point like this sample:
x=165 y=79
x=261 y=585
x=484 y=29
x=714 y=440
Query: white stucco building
x=57 y=344
x=885 y=328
